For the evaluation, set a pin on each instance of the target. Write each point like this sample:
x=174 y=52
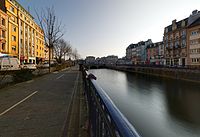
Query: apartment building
x=13 y=30
x=193 y=39
x=25 y=37
x=155 y=54
x=131 y=53
x=175 y=43
x=3 y=32
x=137 y=52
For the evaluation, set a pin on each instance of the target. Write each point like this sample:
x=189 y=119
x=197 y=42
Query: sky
x=107 y=27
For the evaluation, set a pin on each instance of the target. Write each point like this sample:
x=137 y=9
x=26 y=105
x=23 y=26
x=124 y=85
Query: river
x=155 y=107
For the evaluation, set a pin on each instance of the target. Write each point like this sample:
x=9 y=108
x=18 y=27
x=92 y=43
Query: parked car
x=28 y=66
x=9 y=63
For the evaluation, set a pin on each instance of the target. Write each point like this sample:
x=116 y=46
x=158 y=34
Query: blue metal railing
x=105 y=119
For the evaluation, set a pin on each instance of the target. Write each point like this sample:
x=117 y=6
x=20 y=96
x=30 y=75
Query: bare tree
x=61 y=49
x=52 y=27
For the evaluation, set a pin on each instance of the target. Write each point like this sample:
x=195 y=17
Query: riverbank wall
x=173 y=73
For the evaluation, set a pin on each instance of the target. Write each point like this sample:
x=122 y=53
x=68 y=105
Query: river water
x=155 y=107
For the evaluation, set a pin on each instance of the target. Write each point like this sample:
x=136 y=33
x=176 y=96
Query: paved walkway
x=50 y=106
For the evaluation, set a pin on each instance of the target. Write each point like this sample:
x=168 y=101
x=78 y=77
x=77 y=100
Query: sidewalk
x=77 y=117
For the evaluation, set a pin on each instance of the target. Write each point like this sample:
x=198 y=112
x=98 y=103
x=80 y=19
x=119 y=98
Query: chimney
x=194 y=12
x=173 y=21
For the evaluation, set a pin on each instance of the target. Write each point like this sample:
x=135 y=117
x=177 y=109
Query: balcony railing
x=105 y=119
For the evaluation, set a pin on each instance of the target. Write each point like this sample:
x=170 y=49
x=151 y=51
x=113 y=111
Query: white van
x=9 y=63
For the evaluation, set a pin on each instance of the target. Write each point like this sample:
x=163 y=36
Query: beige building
x=193 y=39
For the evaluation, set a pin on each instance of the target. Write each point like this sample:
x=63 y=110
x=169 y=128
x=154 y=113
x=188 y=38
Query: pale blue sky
x=107 y=27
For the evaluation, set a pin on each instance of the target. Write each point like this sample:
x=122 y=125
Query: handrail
x=117 y=122
x=124 y=126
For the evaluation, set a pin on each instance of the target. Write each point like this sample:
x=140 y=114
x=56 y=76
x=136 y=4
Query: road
x=38 y=108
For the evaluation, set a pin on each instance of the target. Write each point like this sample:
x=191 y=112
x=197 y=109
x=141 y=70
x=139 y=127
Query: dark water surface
x=156 y=107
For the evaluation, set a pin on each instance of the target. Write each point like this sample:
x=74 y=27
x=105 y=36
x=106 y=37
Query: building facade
x=137 y=53
x=193 y=39
x=175 y=43
x=111 y=60
x=3 y=32
x=25 y=37
x=152 y=54
x=12 y=12
x=161 y=53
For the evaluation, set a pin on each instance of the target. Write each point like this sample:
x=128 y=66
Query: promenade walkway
x=49 y=106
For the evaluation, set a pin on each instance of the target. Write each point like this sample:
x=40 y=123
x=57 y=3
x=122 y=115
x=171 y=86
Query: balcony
x=183 y=37
x=177 y=46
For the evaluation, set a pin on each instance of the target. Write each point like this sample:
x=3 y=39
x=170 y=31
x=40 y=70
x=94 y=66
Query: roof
x=178 y=24
x=195 y=23
x=132 y=46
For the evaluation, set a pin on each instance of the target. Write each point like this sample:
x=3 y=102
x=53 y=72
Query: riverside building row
x=180 y=45
x=20 y=36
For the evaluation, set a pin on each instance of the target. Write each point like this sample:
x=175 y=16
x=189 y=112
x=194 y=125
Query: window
x=14 y=29
x=171 y=37
x=14 y=48
x=193 y=33
x=3 y=46
x=177 y=35
x=3 y=34
x=171 y=45
x=192 y=42
x=3 y=22
x=195 y=60
x=183 y=43
x=12 y=18
x=13 y=38
x=183 y=33
x=12 y=9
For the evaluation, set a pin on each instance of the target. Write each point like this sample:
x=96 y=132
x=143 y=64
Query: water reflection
x=156 y=107
x=183 y=100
